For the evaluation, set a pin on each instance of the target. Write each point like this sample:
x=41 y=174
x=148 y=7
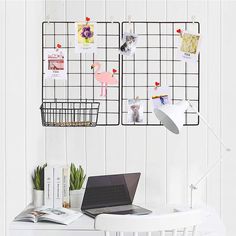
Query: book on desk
x=55 y=215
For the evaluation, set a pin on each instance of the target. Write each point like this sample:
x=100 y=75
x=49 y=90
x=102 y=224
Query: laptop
x=112 y=194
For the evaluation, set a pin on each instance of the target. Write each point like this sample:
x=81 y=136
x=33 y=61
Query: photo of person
x=160 y=96
x=37 y=213
x=160 y=100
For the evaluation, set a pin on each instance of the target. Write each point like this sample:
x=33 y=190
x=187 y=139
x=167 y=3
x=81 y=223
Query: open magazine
x=56 y=215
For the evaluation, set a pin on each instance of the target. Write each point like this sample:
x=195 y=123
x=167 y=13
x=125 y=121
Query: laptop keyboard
x=113 y=209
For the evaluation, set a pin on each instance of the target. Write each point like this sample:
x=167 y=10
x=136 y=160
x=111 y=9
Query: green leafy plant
x=38 y=177
x=77 y=177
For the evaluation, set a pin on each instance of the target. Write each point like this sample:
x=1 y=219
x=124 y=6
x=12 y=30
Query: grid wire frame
x=155 y=60
x=81 y=83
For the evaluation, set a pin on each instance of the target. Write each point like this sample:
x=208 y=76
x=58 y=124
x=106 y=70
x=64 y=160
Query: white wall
x=168 y=162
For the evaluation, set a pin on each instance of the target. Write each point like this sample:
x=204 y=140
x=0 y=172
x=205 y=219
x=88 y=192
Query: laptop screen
x=110 y=190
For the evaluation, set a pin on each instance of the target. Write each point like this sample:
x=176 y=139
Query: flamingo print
x=104 y=78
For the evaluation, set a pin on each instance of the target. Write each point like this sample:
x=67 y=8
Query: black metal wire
x=145 y=30
x=112 y=110
x=57 y=95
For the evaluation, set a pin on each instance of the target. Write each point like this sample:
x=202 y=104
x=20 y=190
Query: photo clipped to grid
x=81 y=90
x=155 y=60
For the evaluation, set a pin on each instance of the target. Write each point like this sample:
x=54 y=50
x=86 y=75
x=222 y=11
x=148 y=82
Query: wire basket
x=69 y=114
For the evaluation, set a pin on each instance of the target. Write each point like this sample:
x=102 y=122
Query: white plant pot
x=76 y=198
x=38 y=197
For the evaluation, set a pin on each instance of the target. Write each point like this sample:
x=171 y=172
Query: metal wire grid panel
x=81 y=86
x=155 y=59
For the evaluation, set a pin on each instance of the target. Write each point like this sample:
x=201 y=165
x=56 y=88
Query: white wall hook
x=48 y=18
x=112 y=19
x=193 y=19
x=130 y=27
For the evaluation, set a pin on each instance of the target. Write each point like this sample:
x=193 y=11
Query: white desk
x=82 y=226
x=85 y=226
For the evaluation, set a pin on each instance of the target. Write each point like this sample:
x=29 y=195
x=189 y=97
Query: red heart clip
x=87 y=19
x=114 y=70
x=58 y=45
x=179 y=31
x=157 y=84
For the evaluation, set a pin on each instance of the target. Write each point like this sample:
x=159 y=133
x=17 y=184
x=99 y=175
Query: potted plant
x=38 y=182
x=77 y=178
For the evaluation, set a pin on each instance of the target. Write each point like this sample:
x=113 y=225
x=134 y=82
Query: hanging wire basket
x=70 y=114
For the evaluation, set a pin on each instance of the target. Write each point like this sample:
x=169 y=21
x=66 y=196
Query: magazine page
x=30 y=215
x=59 y=215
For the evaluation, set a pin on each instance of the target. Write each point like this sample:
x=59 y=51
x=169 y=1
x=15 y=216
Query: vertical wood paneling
x=228 y=85
x=35 y=148
x=156 y=136
x=177 y=179
x=15 y=109
x=136 y=136
x=95 y=138
x=2 y=116
x=150 y=150
x=76 y=149
x=55 y=138
x=197 y=137
x=214 y=100
x=115 y=135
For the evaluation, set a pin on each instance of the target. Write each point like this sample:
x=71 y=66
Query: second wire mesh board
x=76 y=101
x=155 y=60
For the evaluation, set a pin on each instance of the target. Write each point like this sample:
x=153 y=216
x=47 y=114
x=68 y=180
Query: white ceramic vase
x=38 y=197
x=76 y=198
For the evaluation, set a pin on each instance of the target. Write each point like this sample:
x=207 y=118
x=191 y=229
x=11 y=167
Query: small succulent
x=38 y=177
x=77 y=177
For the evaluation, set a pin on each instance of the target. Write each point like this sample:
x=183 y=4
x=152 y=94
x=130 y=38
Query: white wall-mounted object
x=172 y=117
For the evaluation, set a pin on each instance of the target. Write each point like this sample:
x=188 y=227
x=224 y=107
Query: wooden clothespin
x=58 y=46
x=87 y=19
x=156 y=84
x=179 y=31
x=113 y=72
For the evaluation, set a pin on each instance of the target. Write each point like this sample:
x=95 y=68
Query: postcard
x=56 y=64
x=189 y=46
x=135 y=111
x=129 y=42
x=85 y=37
x=160 y=96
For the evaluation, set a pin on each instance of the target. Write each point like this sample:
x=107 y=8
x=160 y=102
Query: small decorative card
x=129 y=42
x=160 y=96
x=189 y=46
x=85 y=37
x=135 y=110
x=56 y=64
